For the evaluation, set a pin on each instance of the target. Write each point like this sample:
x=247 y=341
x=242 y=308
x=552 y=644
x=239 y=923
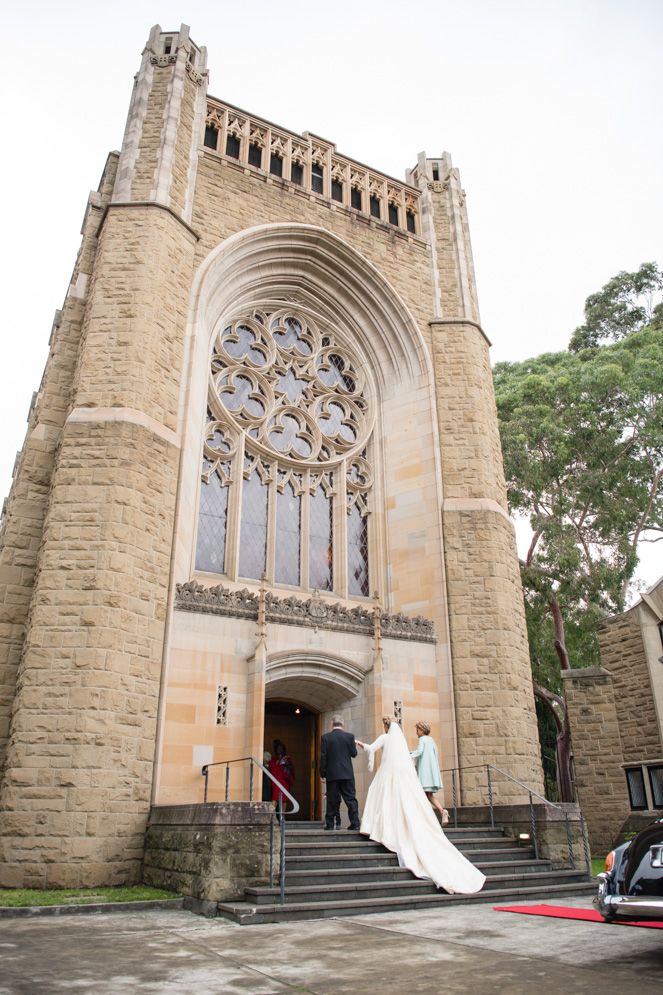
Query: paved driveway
x=459 y=949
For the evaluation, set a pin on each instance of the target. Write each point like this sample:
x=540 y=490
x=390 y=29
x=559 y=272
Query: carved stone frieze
x=313 y=612
x=163 y=60
x=217 y=600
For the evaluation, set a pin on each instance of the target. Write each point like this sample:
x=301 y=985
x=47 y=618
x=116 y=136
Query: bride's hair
x=387 y=720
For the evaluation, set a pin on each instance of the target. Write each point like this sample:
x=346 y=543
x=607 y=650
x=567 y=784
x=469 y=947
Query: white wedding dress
x=398 y=815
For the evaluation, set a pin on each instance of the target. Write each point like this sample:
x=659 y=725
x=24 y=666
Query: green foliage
x=22 y=897
x=582 y=437
x=624 y=305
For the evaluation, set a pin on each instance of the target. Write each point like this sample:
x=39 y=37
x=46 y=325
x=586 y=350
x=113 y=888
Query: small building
x=616 y=719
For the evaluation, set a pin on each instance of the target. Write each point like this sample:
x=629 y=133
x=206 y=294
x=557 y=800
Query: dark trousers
x=346 y=789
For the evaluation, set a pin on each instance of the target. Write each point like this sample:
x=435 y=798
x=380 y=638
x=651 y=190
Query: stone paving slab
x=448 y=950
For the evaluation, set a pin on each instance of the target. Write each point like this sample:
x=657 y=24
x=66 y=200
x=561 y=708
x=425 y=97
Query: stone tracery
x=291 y=397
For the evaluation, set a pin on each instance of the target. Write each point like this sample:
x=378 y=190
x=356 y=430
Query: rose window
x=285 y=478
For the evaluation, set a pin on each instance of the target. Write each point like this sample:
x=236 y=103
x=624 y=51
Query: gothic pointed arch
x=354 y=329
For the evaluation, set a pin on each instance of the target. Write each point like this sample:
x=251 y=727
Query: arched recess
x=316 y=269
x=319 y=680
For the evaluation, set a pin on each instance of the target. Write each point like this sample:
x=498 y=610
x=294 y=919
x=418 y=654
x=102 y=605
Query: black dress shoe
x=353 y=829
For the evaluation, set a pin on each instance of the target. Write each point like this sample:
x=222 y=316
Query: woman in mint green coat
x=428 y=767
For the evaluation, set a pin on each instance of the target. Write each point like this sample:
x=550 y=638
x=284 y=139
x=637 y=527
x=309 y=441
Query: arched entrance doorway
x=303 y=689
x=298 y=728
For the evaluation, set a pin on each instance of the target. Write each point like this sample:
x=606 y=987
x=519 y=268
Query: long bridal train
x=398 y=815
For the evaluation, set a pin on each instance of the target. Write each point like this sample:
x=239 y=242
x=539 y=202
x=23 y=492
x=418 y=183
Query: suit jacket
x=337 y=748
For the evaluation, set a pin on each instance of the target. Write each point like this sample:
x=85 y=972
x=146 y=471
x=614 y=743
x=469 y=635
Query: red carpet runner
x=561 y=912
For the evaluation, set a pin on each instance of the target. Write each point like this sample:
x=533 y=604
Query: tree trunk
x=564 y=779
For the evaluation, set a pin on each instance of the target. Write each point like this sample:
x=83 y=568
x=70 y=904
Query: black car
x=632 y=885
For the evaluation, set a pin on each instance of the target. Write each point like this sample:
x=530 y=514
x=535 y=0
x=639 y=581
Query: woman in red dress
x=281 y=767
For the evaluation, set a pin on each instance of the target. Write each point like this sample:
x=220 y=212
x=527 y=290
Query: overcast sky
x=552 y=113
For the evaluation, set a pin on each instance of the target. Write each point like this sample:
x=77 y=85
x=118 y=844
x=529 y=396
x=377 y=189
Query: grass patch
x=21 y=897
x=598 y=865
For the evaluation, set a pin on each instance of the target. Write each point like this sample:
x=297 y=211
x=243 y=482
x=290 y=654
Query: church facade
x=261 y=483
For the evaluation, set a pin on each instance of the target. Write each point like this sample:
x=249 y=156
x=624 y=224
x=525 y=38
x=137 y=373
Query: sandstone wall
x=623 y=654
x=597 y=753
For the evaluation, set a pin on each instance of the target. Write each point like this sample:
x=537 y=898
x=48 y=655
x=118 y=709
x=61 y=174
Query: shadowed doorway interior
x=299 y=729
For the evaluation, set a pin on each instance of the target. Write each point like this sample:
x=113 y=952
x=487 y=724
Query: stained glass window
x=320 y=568
x=288 y=527
x=211 y=546
x=289 y=417
x=253 y=530
x=358 y=582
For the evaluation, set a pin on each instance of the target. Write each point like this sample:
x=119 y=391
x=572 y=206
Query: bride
x=398 y=815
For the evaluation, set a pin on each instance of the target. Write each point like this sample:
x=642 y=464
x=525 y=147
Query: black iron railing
x=532 y=794
x=279 y=815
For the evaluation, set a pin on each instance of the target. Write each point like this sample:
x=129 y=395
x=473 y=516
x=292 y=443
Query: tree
x=627 y=303
x=582 y=437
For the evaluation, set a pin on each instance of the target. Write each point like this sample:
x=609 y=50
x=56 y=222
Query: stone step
x=335 y=843
x=333 y=847
x=466 y=832
x=386 y=890
x=331 y=877
x=247 y=913
x=386 y=858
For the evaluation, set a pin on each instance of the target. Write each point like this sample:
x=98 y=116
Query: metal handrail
x=532 y=793
x=280 y=814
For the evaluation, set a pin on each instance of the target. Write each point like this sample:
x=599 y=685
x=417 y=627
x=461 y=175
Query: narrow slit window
x=222 y=705
x=232 y=146
x=255 y=155
x=276 y=164
x=393 y=214
x=337 y=191
x=297 y=173
x=375 y=206
x=211 y=137
x=317 y=177
x=436 y=174
x=355 y=198
x=410 y=222
x=168 y=46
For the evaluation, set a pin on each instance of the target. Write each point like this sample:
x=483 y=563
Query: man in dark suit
x=337 y=748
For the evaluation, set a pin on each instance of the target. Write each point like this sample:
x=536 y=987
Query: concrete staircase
x=342 y=873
